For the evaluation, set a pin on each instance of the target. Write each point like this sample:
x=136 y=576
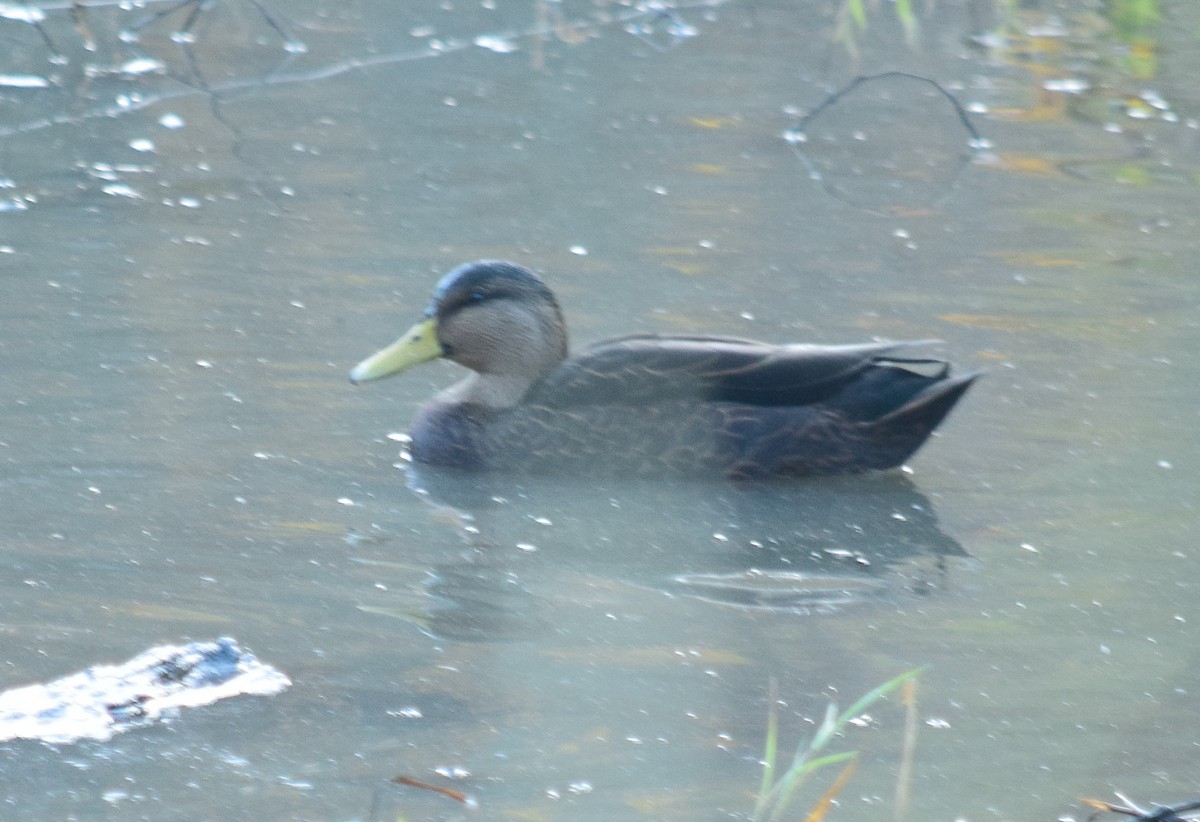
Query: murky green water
x=187 y=277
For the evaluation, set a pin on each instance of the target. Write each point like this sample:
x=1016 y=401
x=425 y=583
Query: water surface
x=194 y=256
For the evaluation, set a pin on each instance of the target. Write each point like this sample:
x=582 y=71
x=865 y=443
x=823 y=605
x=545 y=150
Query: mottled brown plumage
x=653 y=404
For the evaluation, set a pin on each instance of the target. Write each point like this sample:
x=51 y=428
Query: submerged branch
x=129 y=103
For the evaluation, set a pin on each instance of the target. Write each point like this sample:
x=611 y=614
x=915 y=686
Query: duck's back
x=716 y=406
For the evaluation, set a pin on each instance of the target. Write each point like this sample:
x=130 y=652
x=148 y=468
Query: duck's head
x=496 y=318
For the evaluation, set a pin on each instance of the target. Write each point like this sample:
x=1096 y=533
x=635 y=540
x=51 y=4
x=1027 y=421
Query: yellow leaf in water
x=712 y=122
x=1027 y=164
x=1043 y=45
x=1143 y=59
x=319 y=527
x=690 y=269
x=988 y=321
x=1036 y=259
x=1049 y=108
x=708 y=168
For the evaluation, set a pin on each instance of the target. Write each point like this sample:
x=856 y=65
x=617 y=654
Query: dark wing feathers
x=640 y=369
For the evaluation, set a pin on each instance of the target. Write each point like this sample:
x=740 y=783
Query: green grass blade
x=829 y=727
x=772 y=749
x=908 y=20
x=868 y=698
x=857 y=13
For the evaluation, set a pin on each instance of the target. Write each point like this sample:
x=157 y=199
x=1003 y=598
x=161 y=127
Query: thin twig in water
x=457 y=796
x=1181 y=812
x=231 y=87
x=907 y=752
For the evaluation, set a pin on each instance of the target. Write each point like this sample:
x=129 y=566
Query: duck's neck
x=493 y=392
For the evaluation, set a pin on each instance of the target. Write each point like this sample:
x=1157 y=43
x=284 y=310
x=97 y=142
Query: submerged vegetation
x=779 y=790
x=852 y=22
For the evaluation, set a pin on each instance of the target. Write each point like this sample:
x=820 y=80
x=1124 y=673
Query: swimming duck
x=648 y=403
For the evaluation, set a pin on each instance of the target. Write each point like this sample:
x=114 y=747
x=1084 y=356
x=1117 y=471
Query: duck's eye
x=477 y=296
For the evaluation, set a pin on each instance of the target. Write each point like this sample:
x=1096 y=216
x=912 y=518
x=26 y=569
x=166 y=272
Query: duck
x=644 y=404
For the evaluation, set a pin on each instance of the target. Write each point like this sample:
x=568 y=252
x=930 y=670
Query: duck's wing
x=641 y=369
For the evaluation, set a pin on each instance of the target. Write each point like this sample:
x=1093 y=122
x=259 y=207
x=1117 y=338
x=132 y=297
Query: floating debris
x=1067 y=85
x=142 y=65
x=1155 y=813
x=458 y=796
x=496 y=43
x=21 y=13
x=104 y=700
x=121 y=190
x=23 y=81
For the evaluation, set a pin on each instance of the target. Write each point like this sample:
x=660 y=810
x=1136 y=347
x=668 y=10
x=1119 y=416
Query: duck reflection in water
x=520 y=551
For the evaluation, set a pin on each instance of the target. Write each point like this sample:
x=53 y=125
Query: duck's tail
x=899 y=433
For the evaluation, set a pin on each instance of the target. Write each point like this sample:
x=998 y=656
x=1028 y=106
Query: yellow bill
x=418 y=345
